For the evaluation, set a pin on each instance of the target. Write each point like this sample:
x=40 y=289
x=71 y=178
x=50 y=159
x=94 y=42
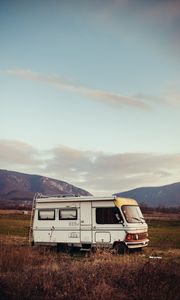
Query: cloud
x=172 y=94
x=61 y=83
x=169 y=96
x=164 y=18
x=100 y=172
x=152 y=12
x=157 y=20
x=164 y=11
x=97 y=172
x=17 y=154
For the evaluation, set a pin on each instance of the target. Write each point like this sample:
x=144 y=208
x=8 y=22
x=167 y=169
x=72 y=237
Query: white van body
x=86 y=222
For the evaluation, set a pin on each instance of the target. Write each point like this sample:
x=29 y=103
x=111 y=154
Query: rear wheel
x=62 y=247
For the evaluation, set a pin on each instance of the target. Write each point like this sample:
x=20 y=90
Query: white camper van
x=87 y=222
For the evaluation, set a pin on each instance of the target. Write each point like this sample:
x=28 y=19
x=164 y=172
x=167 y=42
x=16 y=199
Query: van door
x=85 y=222
x=101 y=232
x=107 y=226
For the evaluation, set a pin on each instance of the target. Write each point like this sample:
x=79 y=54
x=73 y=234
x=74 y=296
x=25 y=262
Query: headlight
x=131 y=236
x=136 y=236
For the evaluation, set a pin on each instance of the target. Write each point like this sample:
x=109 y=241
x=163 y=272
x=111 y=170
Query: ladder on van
x=37 y=195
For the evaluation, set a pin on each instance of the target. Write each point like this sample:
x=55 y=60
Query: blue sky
x=90 y=91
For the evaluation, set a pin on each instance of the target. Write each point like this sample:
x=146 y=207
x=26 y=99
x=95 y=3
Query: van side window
x=108 y=215
x=68 y=214
x=46 y=214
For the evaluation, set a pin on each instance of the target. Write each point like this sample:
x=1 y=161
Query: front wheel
x=121 y=248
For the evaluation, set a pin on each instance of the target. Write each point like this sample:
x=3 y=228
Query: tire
x=61 y=247
x=121 y=248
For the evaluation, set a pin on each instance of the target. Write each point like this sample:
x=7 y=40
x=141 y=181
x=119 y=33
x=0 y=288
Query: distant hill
x=17 y=189
x=164 y=196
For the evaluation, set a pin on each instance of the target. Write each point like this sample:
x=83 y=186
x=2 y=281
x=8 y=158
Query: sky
x=90 y=91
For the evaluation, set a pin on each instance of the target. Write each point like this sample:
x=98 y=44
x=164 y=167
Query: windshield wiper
x=136 y=219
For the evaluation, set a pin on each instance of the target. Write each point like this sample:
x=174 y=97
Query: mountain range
x=162 y=196
x=17 y=190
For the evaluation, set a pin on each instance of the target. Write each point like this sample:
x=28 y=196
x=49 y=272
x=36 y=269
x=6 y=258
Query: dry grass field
x=42 y=273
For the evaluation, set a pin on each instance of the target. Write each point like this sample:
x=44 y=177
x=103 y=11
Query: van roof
x=125 y=201
x=56 y=199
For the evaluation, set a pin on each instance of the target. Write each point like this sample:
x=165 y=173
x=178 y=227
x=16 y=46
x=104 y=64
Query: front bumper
x=137 y=244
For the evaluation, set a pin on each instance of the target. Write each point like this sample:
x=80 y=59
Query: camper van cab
x=87 y=222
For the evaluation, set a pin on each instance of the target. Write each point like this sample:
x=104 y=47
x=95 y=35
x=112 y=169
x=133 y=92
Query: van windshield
x=132 y=214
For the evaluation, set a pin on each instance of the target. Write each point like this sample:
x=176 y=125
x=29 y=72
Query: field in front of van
x=41 y=273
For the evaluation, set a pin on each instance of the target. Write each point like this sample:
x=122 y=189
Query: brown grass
x=40 y=273
x=155 y=215
x=11 y=212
